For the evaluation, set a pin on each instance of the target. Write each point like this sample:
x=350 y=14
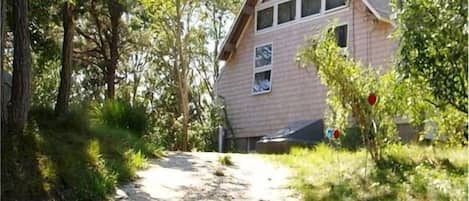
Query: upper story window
x=265 y=18
x=341 y=33
x=262 y=82
x=286 y=11
x=310 y=7
x=272 y=13
x=263 y=55
x=331 y=4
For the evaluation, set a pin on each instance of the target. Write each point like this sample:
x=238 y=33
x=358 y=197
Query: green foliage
x=123 y=115
x=225 y=160
x=352 y=139
x=407 y=173
x=432 y=36
x=349 y=83
x=73 y=162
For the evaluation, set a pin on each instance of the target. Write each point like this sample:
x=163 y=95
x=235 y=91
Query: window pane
x=262 y=82
x=265 y=18
x=263 y=55
x=341 y=35
x=310 y=7
x=286 y=11
x=330 y=4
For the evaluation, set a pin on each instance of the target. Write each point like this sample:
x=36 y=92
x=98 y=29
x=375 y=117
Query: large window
x=265 y=18
x=331 y=4
x=262 y=69
x=310 y=7
x=286 y=11
x=341 y=35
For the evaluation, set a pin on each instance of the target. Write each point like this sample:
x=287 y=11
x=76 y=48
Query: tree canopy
x=433 y=48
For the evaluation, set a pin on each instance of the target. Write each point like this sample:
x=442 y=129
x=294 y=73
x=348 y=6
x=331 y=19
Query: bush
x=225 y=160
x=76 y=119
x=121 y=114
x=352 y=139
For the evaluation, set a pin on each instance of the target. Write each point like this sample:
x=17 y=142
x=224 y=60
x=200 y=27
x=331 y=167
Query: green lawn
x=409 y=172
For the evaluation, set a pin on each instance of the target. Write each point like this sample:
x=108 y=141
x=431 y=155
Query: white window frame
x=323 y=6
x=298 y=19
x=262 y=69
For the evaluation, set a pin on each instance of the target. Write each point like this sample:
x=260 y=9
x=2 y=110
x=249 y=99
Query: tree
x=432 y=36
x=21 y=69
x=348 y=85
x=115 y=12
x=100 y=31
x=2 y=44
x=63 y=97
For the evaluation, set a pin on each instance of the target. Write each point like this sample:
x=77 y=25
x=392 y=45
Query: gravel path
x=190 y=176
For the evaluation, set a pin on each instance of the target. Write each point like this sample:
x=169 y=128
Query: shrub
x=352 y=139
x=225 y=160
x=121 y=114
x=76 y=119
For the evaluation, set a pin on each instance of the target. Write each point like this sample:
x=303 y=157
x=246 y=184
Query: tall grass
x=121 y=114
x=76 y=159
x=407 y=172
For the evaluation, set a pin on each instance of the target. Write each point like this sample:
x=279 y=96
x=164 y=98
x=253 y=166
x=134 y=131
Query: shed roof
x=380 y=8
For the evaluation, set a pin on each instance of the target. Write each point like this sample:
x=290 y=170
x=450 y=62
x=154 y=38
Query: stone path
x=183 y=176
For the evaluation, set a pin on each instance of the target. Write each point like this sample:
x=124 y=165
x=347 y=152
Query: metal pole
x=220 y=138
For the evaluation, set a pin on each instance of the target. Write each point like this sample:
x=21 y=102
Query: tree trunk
x=182 y=78
x=21 y=84
x=2 y=46
x=115 y=11
x=67 y=56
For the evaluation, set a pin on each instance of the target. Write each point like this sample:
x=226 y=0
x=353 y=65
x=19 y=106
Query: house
x=263 y=88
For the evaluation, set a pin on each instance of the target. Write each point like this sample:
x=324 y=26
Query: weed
x=225 y=160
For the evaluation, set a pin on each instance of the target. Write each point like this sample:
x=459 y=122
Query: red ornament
x=336 y=134
x=372 y=98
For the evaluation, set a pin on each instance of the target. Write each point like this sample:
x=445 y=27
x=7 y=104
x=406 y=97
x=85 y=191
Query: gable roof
x=380 y=8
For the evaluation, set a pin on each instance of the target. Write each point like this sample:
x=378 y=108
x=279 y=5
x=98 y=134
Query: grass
x=225 y=160
x=57 y=159
x=407 y=172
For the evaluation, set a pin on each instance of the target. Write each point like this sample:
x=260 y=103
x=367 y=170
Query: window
x=286 y=11
x=262 y=69
x=263 y=56
x=341 y=35
x=261 y=82
x=310 y=7
x=331 y=4
x=265 y=18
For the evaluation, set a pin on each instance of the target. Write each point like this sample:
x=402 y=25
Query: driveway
x=191 y=176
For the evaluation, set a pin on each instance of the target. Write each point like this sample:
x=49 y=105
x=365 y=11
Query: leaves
x=433 y=45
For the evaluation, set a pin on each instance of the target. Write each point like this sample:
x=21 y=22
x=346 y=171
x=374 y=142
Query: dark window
x=262 y=82
x=310 y=7
x=265 y=18
x=286 y=11
x=341 y=35
x=330 y=4
x=263 y=55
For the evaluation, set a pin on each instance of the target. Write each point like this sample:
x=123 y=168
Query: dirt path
x=190 y=176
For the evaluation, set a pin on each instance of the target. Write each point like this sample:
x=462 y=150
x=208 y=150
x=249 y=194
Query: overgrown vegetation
x=349 y=83
x=409 y=173
x=225 y=160
x=71 y=158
